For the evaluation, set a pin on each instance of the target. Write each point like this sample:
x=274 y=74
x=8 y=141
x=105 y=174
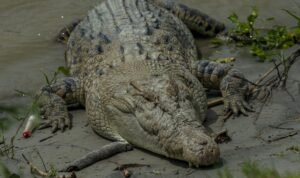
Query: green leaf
x=217 y=41
x=225 y=173
x=22 y=93
x=63 y=70
x=270 y=19
x=258 y=51
x=252 y=17
x=4 y=171
x=233 y=18
x=292 y=14
x=46 y=78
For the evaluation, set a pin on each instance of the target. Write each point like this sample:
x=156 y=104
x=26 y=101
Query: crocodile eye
x=172 y=88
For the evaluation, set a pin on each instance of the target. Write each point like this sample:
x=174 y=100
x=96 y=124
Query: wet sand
x=26 y=49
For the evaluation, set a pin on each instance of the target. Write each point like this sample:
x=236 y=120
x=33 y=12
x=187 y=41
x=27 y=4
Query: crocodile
x=135 y=68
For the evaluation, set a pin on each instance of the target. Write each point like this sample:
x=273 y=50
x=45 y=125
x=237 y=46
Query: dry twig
x=124 y=168
x=47 y=174
x=278 y=80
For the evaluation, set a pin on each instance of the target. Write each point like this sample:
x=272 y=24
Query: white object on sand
x=32 y=122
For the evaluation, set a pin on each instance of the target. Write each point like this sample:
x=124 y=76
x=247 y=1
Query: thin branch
x=45 y=168
x=44 y=139
x=246 y=80
x=47 y=174
x=277 y=69
x=215 y=102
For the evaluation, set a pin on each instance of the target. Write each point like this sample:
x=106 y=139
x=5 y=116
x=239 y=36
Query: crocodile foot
x=55 y=113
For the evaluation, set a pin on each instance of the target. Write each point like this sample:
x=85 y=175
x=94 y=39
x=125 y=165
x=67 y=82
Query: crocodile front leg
x=54 y=99
x=230 y=81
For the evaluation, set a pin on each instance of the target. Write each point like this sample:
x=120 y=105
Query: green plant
x=263 y=43
x=252 y=170
x=244 y=29
x=6 y=173
x=294 y=148
x=225 y=173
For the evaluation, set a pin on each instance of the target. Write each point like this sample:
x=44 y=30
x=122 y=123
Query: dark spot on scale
x=72 y=43
x=74 y=61
x=166 y=39
x=159 y=13
x=122 y=49
x=147 y=56
x=209 y=69
x=92 y=37
x=82 y=32
x=170 y=48
x=140 y=48
x=104 y=38
x=122 y=53
x=69 y=83
x=99 y=49
x=156 y=25
x=99 y=71
x=118 y=30
x=221 y=73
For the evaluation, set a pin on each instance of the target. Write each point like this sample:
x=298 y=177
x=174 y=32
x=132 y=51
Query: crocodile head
x=164 y=114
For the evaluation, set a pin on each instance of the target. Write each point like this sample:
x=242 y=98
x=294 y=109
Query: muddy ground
x=27 y=48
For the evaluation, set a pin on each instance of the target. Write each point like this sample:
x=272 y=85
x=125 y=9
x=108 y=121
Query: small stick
x=282 y=136
x=45 y=168
x=44 y=139
x=37 y=171
x=215 y=102
x=278 y=127
x=265 y=75
x=124 y=168
x=34 y=169
x=277 y=69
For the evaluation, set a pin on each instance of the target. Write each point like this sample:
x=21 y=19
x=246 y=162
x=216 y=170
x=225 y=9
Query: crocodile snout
x=200 y=150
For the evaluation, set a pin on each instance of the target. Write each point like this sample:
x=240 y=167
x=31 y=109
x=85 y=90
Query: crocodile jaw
x=161 y=112
x=200 y=150
x=178 y=133
x=190 y=143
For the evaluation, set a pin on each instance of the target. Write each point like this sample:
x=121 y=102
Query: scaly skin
x=135 y=68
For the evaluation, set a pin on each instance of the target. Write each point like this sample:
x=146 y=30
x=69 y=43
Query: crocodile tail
x=65 y=33
x=197 y=21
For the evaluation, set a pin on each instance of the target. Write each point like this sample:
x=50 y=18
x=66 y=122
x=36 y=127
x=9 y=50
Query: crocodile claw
x=236 y=104
x=56 y=116
x=56 y=123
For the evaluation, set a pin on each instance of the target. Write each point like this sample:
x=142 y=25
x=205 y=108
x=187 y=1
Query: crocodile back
x=119 y=31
